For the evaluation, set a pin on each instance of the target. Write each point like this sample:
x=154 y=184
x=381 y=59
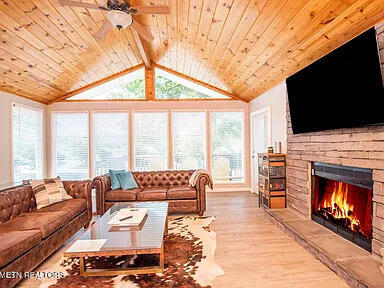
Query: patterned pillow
x=48 y=191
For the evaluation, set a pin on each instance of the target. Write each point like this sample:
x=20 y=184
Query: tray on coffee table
x=102 y=239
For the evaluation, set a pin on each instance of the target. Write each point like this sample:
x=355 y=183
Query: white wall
x=5 y=129
x=277 y=99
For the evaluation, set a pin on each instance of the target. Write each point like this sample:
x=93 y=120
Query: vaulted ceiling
x=241 y=46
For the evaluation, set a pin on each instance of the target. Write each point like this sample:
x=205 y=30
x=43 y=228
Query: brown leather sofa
x=28 y=236
x=171 y=186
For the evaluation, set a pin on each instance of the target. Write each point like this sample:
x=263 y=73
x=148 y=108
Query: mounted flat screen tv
x=341 y=90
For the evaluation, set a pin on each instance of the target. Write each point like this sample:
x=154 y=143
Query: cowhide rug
x=189 y=261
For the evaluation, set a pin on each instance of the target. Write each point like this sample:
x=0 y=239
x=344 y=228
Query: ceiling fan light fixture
x=119 y=19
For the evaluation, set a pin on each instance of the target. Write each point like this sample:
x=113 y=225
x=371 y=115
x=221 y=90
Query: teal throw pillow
x=126 y=180
x=115 y=184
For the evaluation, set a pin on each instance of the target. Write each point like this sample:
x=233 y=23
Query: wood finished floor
x=252 y=251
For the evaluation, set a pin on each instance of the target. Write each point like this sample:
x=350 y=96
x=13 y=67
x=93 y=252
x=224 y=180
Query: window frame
x=53 y=135
x=244 y=180
x=133 y=135
x=82 y=90
x=42 y=138
x=196 y=82
x=92 y=142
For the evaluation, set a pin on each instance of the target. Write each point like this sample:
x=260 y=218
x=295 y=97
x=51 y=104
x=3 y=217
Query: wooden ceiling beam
x=140 y=46
x=97 y=83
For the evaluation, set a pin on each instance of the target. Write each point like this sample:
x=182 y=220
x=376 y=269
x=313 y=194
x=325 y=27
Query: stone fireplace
x=341 y=200
x=361 y=147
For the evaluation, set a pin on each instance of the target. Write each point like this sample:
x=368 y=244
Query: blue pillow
x=126 y=180
x=115 y=184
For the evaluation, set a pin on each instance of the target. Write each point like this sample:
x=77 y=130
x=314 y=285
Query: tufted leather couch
x=28 y=236
x=171 y=186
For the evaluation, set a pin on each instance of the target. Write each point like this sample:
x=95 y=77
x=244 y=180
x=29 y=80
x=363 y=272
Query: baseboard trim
x=232 y=189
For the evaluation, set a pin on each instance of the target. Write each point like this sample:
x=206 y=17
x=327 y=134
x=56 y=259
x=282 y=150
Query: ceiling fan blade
x=79 y=4
x=103 y=31
x=151 y=9
x=142 y=31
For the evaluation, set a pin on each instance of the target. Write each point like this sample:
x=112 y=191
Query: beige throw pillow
x=48 y=191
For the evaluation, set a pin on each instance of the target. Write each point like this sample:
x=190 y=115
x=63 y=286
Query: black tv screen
x=341 y=90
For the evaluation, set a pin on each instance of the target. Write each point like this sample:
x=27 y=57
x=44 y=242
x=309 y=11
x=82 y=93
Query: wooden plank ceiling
x=241 y=46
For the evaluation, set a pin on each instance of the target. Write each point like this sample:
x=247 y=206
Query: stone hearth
x=356 y=266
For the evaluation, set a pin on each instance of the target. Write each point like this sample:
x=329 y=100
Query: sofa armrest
x=102 y=185
x=201 y=184
x=80 y=189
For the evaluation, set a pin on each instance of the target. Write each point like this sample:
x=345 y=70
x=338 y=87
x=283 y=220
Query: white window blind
x=70 y=145
x=111 y=142
x=227 y=146
x=27 y=143
x=189 y=140
x=151 y=141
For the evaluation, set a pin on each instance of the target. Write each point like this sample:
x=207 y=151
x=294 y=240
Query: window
x=27 y=143
x=170 y=86
x=70 y=145
x=111 y=142
x=189 y=140
x=129 y=86
x=227 y=146
x=151 y=141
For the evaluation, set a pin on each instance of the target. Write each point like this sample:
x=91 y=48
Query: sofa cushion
x=48 y=191
x=122 y=195
x=181 y=192
x=152 y=194
x=46 y=222
x=73 y=207
x=15 y=243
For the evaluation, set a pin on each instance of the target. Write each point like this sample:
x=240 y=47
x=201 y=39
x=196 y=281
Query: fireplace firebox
x=342 y=201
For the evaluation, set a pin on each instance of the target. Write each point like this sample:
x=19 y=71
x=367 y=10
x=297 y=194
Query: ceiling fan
x=119 y=15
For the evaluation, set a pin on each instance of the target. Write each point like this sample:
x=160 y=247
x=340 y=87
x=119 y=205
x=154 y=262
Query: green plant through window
x=129 y=86
x=170 y=86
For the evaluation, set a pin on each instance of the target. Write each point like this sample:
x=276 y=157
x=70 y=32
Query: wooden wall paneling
x=219 y=18
x=38 y=36
x=97 y=59
x=283 y=20
x=330 y=12
x=208 y=11
x=303 y=20
x=42 y=93
x=172 y=34
x=249 y=17
x=94 y=71
x=86 y=35
x=182 y=29
x=192 y=33
x=270 y=11
x=115 y=37
x=236 y=12
x=361 y=16
x=163 y=36
x=16 y=78
x=134 y=54
x=239 y=46
x=87 y=20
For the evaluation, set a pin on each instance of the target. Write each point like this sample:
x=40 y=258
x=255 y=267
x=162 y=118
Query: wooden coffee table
x=118 y=241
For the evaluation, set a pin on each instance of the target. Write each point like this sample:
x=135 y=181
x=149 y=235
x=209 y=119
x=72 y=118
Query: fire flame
x=340 y=208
